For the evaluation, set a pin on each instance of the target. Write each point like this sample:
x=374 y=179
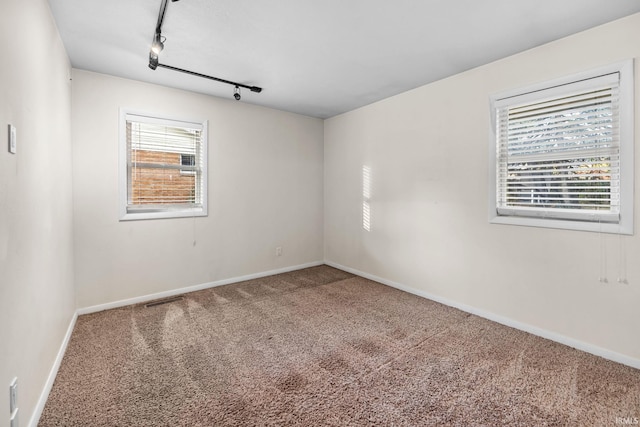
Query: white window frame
x=624 y=224
x=127 y=214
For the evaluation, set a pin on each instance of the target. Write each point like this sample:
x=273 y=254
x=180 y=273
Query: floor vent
x=163 y=301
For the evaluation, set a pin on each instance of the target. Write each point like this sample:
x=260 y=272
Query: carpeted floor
x=323 y=347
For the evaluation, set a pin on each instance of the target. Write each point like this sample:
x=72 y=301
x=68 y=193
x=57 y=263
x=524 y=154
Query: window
x=563 y=153
x=163 y=167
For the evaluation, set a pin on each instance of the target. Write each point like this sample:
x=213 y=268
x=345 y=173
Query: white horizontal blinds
x=559 y=152
x=164 y=163
x=159 y=138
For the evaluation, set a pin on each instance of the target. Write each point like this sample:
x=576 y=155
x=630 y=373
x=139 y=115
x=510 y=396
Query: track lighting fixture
x=153 y=60
x=158 y=44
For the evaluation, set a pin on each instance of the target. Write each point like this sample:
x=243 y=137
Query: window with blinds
x=163 y=167
x=564 y=152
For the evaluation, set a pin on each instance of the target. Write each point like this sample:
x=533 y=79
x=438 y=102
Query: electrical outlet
x=279 y=251
x=13 y=396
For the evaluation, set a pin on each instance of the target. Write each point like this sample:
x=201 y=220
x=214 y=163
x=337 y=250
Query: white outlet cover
x=12 y=139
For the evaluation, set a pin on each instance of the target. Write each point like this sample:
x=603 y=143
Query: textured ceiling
x=318 y=58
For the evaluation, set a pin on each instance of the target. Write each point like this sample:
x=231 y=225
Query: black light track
x=163 y=10
x=229 y=82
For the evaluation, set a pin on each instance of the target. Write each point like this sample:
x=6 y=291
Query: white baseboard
x=580 y=345
x=35 y=417
x=173 y=292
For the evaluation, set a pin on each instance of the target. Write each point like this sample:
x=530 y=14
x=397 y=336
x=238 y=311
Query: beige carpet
x=323 y=347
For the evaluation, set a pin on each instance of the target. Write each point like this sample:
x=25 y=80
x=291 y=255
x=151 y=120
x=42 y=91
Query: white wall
x=265 y=190
x=37 y=298
x=428 y=151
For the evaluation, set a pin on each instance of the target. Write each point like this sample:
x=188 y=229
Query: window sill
x=563 y=224
x=186 y=213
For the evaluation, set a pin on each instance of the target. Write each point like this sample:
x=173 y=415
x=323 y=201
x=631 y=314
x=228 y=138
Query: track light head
x=153 y=60
x=236 y=93
x=157 y=44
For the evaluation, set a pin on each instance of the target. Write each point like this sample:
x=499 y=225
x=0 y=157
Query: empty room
x=296 y=212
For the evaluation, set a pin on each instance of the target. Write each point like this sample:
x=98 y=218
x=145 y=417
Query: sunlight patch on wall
x=366 y=197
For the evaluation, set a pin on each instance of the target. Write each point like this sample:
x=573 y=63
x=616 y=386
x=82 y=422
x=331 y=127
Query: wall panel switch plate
x=12 y=139
x=13 y=395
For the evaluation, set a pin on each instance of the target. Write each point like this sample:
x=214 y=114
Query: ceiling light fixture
x=153 y=60
x=158 y=45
